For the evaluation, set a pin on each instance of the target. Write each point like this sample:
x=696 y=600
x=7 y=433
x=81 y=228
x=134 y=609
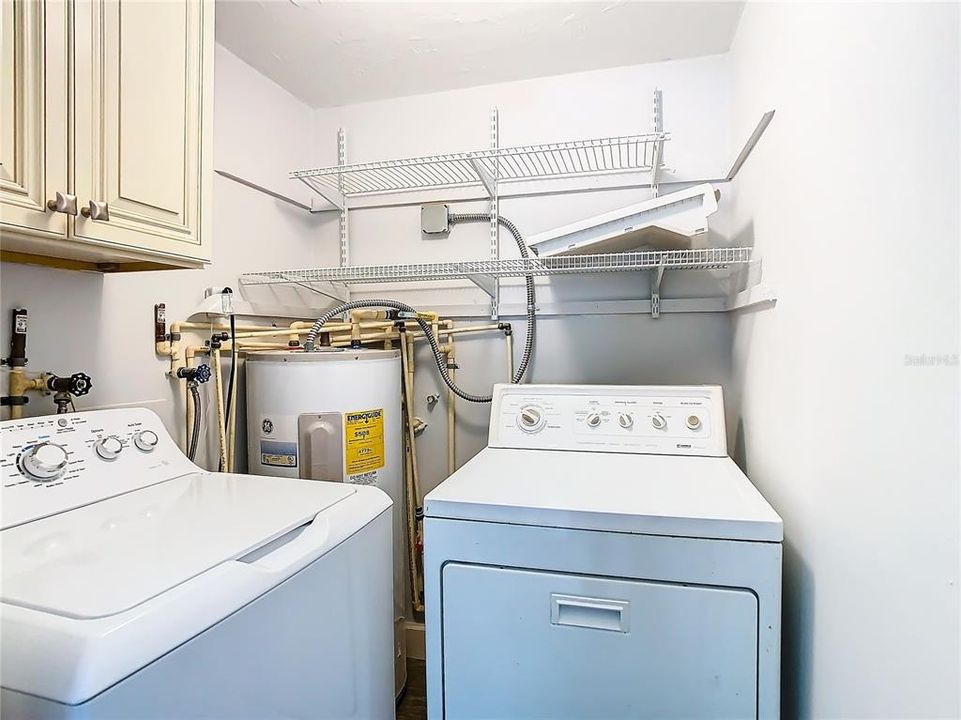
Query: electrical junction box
x=435 y=219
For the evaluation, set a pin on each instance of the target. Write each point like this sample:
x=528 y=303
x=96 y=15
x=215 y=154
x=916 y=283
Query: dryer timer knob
x=531 y=418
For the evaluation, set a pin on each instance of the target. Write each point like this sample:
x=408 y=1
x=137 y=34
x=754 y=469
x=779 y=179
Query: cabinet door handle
x=65 y=203
x=96 y=210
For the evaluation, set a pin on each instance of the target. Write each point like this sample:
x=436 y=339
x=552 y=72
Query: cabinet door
x=142 y=113
x=33 y=115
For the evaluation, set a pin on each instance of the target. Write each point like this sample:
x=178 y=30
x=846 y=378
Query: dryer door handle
x=591 y=613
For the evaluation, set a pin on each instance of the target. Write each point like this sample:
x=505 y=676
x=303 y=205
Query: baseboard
x=416 y=641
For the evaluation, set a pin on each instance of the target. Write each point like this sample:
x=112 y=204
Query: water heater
x=334 y=415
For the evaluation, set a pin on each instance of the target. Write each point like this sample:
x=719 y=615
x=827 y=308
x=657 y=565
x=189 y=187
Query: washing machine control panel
x=55 y=463
x=645 y=419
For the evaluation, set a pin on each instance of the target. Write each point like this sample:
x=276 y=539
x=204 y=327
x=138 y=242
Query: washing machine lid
x=105 y=558
x=700 y=497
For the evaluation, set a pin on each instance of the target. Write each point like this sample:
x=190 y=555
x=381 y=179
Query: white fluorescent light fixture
x=668 y=222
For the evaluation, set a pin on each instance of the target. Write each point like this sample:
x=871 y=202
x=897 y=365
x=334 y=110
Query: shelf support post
x=658 y=122
x=344 y=226
x=656 y=278
x=494 y=209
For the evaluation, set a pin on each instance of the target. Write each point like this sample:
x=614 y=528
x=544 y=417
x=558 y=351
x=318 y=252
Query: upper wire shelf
x=694 y=259
x=596 y=156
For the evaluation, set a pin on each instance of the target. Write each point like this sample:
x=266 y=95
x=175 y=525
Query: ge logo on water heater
x=268 y=426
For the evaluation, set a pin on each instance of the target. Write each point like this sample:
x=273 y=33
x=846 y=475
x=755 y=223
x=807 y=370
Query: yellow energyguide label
x=364 y=441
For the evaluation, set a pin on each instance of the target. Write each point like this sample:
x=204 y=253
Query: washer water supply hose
x=315 y=329
x=195 y=433
x=194 y=376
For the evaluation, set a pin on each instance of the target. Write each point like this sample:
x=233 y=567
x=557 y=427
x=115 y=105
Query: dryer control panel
x=644 y=419
x=55 y=463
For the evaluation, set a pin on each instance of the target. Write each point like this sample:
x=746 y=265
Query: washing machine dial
x=593 y=420
x=146 y=440
x=658 y=421
x=44 y=461
x=625 y=420
x=693 y=422
x=531 y=418
x=108 y=448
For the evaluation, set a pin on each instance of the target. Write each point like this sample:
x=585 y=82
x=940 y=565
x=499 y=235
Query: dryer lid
x=105 y=558
x=685 y=496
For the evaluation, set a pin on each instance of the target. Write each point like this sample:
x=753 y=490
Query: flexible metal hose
x=441 y=363
x=195 y=434
x=439 y=360
x=528 y=281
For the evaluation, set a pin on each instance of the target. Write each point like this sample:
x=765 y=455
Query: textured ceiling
x=337 y=53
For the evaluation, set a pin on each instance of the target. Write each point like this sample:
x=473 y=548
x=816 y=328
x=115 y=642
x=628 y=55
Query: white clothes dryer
x=603 y=557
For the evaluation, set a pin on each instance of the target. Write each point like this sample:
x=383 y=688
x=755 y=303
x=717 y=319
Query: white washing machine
x=136 y=585
x=603 y=557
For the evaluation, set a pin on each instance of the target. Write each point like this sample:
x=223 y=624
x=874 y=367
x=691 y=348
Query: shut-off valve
x=194 y=375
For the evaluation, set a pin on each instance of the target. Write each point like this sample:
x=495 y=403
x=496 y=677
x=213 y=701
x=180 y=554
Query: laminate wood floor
x=413 y=706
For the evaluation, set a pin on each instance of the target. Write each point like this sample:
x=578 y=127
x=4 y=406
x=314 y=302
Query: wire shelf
x=697 y=259
x=598 y=156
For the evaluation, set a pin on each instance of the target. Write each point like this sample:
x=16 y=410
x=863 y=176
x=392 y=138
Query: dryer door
x=521 y=643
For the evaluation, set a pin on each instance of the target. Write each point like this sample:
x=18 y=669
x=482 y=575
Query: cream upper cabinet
x=33 y=115
x=138 y=128
x=139 y=120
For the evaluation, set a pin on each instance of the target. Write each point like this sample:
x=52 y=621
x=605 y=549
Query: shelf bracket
x=338 y=292
x=334 y=197
x=489 y=183
x=487 y=283
x=749 y=145
x=266 y=191
x=656 y=278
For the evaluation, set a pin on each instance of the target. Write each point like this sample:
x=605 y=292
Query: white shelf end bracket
x=489 y=183
x=332 y=196
x=487 y=283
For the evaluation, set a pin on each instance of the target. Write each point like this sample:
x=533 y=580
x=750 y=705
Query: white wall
x=102 y=324
x=852 y=198
x=596 y=349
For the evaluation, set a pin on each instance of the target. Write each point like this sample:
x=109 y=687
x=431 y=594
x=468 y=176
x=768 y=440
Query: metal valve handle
x=199 y=374
x=77 y=384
